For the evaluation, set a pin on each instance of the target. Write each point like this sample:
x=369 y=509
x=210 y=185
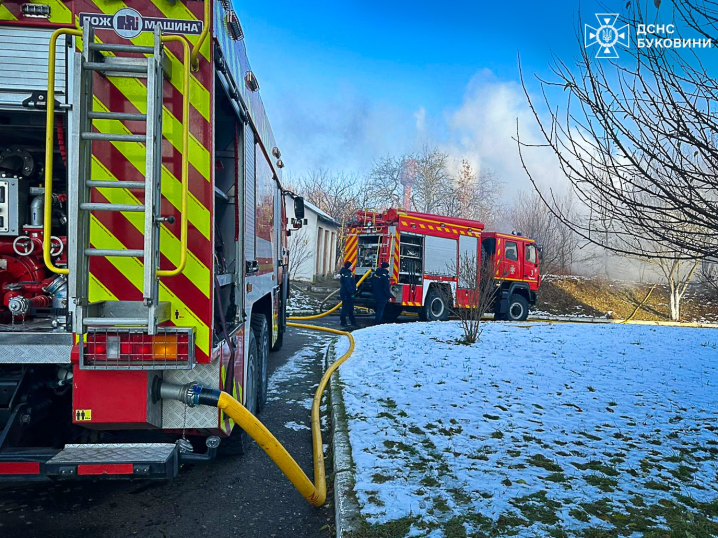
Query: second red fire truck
x=424 y=253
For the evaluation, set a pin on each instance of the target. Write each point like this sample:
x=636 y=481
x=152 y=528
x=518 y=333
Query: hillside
x=617 y=299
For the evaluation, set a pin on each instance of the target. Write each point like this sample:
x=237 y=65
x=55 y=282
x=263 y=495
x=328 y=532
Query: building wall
x=312 y=249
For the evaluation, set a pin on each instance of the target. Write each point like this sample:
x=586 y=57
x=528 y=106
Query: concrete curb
x=345 y=504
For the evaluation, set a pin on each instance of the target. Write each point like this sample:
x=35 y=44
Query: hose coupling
x=190 y=394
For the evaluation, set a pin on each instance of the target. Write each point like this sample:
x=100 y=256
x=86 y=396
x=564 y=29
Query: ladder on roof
x=103 y=58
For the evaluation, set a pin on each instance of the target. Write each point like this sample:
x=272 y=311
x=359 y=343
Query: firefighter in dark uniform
x=381 y=291
x=347 y=292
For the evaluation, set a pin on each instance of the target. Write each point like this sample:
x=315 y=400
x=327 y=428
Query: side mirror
x=299 y=208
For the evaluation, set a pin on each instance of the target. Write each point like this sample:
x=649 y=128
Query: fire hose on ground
x=193 y=394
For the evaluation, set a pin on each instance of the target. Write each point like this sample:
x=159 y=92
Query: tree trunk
x=675 y=303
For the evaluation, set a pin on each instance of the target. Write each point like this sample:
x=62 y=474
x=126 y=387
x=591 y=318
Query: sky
x=347 y=83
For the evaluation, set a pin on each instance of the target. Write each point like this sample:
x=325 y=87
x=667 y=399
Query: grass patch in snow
x=582 y=434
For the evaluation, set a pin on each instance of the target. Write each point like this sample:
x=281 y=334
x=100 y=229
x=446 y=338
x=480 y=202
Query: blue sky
x=348 y=82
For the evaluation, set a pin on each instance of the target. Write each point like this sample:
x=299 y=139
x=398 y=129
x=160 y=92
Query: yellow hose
x=324 y=314
x=315 y=493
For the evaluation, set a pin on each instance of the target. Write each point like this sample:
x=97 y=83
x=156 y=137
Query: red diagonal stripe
x=123 y=288
x=123 y=169
x=180 y=285
x=115 y=101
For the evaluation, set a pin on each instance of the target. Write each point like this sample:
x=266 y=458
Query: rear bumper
x=158 y=461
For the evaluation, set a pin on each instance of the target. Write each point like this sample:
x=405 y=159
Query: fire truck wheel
x=435 y=308
x=518 y=308
x=238 y=442
x=261 y=333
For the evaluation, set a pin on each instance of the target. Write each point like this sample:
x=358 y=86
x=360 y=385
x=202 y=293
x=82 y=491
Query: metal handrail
x=49 y=145
x=200 y=41
x=185 y=150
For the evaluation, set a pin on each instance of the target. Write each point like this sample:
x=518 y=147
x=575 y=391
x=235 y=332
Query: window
x=440 y=256
x=512 y=251
x=531 y=253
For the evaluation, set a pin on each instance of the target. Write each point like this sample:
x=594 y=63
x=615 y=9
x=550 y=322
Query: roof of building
x=323 y=215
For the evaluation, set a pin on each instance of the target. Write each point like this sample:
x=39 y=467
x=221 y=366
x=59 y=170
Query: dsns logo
x=127 y=23
x=606 y=36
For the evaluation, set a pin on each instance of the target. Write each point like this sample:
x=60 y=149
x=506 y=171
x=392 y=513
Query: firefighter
x=381 y=291
x=347 y=291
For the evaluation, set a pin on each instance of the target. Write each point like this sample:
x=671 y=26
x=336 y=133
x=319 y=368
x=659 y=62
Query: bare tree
x=383 y=187
x=300 y=253
x=474 y=196
x=678 y=273
x=558 y=242
x=637 y=141
x=432 y=182
x=709 y=276
x=478 y=279
x=338 y=194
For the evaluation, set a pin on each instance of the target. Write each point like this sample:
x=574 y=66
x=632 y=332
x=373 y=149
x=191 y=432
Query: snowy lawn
x=538 y=430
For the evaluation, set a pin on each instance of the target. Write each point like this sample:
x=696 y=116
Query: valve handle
x=23 y=245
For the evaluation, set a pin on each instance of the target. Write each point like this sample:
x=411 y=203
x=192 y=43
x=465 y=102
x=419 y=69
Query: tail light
x=171 y=349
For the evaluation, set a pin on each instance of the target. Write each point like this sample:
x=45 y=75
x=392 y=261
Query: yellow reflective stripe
x=133 y=270
x=195 y=271
x=177 y=10
x=98 y=291
x=5 y=14
x=135 y=152
x=199 y=95
x=59 y=12
x=136 y=92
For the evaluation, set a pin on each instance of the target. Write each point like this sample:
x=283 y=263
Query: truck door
x=510 y=263
x=531 y=270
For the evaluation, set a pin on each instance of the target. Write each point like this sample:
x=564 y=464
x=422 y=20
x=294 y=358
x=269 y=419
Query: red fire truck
x=424 y=253
x=142 y=234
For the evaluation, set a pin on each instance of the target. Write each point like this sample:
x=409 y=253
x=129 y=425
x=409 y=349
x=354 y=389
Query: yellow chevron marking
x=132 y=268
x=430 y=226
x=199 y=95
x=422 y=226
x=98 y=291
x=59 y=12
x=135 y=152
x=177 y=10
x=136 y=93
x=5 y=14
x=169 y=244
x=404 y=223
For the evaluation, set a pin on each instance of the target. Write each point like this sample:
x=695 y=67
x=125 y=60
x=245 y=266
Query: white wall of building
x=312 y=249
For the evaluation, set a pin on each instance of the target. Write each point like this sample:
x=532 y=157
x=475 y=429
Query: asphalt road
x=244 y=496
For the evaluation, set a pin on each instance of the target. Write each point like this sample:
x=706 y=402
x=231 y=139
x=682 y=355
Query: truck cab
x=515 y=260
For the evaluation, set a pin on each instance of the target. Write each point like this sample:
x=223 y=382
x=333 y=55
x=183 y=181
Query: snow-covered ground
x=538 y=430
x=300 y=302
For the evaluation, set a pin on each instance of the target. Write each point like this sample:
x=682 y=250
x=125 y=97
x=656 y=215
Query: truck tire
x=435 y=308
x=518 y=308
x=238 y=442
x=391 y=312
x=260 y=328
